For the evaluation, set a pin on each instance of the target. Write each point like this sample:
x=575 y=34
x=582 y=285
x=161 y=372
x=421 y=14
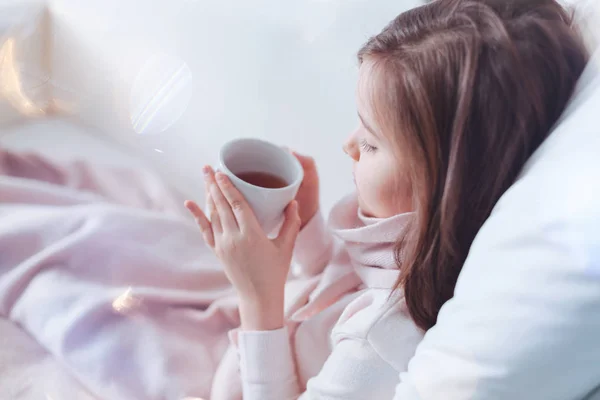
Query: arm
x=372 y=342
x=257 y=267
x=354 y=370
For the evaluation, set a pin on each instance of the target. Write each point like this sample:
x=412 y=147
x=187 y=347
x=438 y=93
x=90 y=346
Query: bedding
x=28 y=371
x=103 y=268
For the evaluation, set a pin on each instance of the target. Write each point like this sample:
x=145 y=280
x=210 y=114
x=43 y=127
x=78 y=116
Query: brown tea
x=263 y=179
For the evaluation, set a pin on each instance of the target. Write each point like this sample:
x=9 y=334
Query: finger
x=306 y=161
x=210 y=204
x=241 y=209
x=220 y=204
x=291 y=227
x=202 y=221
x=216 y=224
x=193 y=208
x=226 y=216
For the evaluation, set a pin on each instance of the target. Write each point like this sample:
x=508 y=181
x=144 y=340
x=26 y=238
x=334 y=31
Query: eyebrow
x=368 y=127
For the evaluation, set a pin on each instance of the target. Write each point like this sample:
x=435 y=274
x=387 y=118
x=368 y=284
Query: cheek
x=382 y=191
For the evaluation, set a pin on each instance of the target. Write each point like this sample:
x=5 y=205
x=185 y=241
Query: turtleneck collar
x=370 y=242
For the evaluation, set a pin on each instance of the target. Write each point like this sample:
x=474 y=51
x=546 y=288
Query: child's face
x=382 y=183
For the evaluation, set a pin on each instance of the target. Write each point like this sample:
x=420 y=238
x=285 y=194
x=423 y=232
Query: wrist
x=261 y=314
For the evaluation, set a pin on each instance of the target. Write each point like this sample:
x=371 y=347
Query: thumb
x=291 y=226
x=306 y=161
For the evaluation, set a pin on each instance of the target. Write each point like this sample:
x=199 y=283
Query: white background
x=201 y=72
x=280 y=70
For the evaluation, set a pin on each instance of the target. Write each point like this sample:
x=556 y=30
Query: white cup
x=253 y=155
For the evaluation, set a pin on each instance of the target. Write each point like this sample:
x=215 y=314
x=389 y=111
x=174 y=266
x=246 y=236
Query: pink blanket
x=105 y=270
x=28 y=372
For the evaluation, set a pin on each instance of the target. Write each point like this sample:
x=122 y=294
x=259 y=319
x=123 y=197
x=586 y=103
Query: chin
x=364 y=208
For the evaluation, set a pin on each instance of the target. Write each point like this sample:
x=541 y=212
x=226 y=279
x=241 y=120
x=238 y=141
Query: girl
x=453 y=98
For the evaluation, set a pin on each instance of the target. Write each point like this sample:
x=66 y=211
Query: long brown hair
x=469 y=89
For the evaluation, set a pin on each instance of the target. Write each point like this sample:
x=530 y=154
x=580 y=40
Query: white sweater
x=373 y=339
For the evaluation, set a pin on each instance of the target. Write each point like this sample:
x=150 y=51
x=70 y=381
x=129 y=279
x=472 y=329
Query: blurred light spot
x=160 y=94
x=126 y=302
x=12 y=86
x=158 y=151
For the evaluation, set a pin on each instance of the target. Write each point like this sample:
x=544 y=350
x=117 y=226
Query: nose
x=351 y=148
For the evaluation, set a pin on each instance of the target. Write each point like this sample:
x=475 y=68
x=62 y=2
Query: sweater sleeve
x=354 y=370
x=265 y=376
x=314 y=247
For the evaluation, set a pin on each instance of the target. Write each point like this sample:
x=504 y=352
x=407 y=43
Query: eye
x=366 y=147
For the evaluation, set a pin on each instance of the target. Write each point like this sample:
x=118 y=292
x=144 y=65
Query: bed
x=27 y=370
x=99 y=117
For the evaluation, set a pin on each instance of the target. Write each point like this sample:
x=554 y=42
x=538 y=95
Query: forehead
x=366 y=87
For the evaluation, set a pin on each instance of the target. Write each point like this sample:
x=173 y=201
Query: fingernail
x=206 y=170
x=221 y=177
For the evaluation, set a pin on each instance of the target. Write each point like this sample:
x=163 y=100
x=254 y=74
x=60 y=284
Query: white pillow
x=525 y=319
x=587 y=16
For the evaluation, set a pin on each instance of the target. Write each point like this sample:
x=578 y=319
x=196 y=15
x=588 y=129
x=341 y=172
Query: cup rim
x=294 y=160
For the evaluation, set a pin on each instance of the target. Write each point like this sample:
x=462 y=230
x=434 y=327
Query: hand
x=256 y=265
x=308 y=194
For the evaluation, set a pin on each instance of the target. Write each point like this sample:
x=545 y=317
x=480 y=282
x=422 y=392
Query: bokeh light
x=160 y=94
x=126 y=302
